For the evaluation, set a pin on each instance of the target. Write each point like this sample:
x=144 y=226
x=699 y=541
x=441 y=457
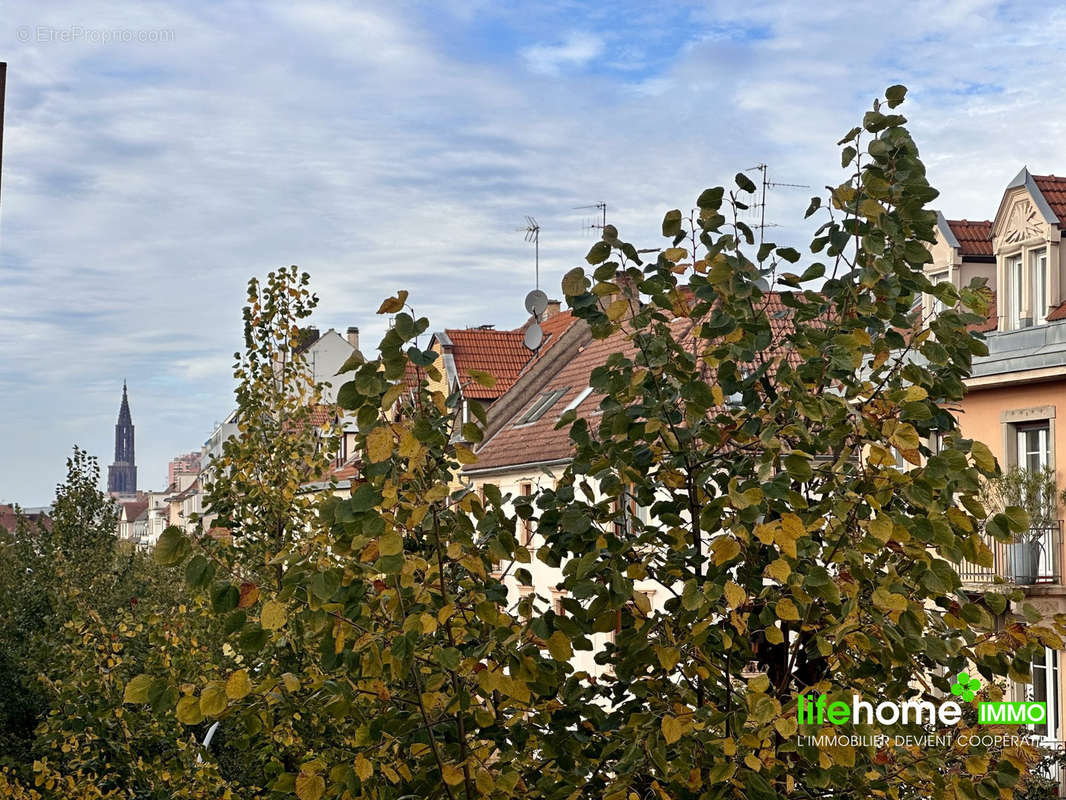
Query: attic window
x=579 y=399
x=542 y=404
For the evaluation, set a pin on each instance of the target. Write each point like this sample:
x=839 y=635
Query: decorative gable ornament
x=1024 y=223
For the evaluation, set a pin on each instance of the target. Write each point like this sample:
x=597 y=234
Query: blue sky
x=399 y=146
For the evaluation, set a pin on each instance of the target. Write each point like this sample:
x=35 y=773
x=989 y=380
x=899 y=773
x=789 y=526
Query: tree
x=374 y=650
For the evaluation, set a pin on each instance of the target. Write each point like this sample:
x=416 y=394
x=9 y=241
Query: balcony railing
x=1033 y=558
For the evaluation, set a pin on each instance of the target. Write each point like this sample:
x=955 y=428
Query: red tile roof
x=515 y=444
x=500 y=353
x=1054 y=191
x=975 y=237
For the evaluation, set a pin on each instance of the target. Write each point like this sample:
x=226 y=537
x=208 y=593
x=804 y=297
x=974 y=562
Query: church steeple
x=122 y=475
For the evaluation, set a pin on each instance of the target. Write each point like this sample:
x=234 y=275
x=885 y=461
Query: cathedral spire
x=122 y=475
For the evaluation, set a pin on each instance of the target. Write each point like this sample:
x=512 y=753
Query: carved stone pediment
x=1024 y=222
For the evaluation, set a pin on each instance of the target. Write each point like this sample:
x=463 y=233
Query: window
x=579 y=399
x=527 y=524
x=541 y=405
x=1045 y=689
x=936 y=305
x=628 y=510
x=1039 y=281
x=1014 y=289
x=557 y=602
x=1034 y=448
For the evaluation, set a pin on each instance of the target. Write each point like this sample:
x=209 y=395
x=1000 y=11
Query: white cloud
x=574 y=51
x=380 y=149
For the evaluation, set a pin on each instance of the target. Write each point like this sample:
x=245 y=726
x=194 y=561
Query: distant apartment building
x=1014 y=393
x=183 y=465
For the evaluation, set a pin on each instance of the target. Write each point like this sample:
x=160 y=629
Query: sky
x=158 y=155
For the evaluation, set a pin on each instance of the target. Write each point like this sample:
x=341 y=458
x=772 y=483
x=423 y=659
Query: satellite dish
x=536 y=302
x=534 y=337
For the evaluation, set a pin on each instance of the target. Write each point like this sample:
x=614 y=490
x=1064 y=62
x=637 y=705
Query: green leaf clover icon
x=965 y=686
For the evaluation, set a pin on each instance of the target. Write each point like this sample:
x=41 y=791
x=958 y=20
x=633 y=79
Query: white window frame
x=936 y=305
x=1015 y=289
x=1038 y=280
x=1045 y=688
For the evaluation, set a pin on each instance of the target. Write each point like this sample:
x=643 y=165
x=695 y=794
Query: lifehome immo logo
x=921 y=712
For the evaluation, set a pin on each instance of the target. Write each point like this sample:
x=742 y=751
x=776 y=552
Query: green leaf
x=199 y=572
x=598 y=253
x=672 y=223
x=744 y=182
x=325 y=584
x=482 y=378
x=137 y=689
x=895 y=94
x=390 y=544
x=574 y=282
x=224 y=597
x=171 y=548
x=711 y=198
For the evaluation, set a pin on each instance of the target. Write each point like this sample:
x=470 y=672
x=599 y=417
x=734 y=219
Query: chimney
x=554 y=307
x=353 y=337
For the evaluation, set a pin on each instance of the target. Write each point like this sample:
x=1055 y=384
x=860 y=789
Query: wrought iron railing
x=1030 y=559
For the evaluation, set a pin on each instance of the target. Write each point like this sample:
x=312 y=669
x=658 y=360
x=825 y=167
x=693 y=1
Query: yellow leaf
x=779 y=570
x=791 y=530
x=915 y=393
x=188 y=711
x=983 y=457
x=410 y=447
x=390 y=544
x=675 y=254
x=273 y=615
x=787 y=610
x=734 y=595
x=671 y=727
x=137 y=689
x=773 y=634
x=642 y=602
x=310 y=786
x=391 y=306
x=452 y=775
x=724 y=549
x=617 y=310
x=786 y=726
x=363 y=767
x=752 y=762
x=465 y=454
x=238 y=685
x=213 y=699
x=881 y=528
x=559 y=646
x=482 y=378
x=889 y=601
x=668 y=656
x=291 y=682
x=379 y=444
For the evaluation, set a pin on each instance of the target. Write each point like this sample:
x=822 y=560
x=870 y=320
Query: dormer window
x=1027 y=289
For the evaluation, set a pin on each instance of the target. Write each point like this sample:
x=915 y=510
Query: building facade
x=1014 y=392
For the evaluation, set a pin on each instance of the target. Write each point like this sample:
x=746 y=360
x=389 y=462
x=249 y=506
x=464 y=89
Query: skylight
x=543 y=403
x=579 y=399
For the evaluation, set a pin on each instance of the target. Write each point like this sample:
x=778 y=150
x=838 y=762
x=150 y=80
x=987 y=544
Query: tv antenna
x=766 y=183
x=589 y=225
x=532 y=234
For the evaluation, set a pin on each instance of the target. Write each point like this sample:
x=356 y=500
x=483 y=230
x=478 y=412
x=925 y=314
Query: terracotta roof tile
x=515 y=444
x=1054 y=191
x=975 y=237
x=500 y=353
